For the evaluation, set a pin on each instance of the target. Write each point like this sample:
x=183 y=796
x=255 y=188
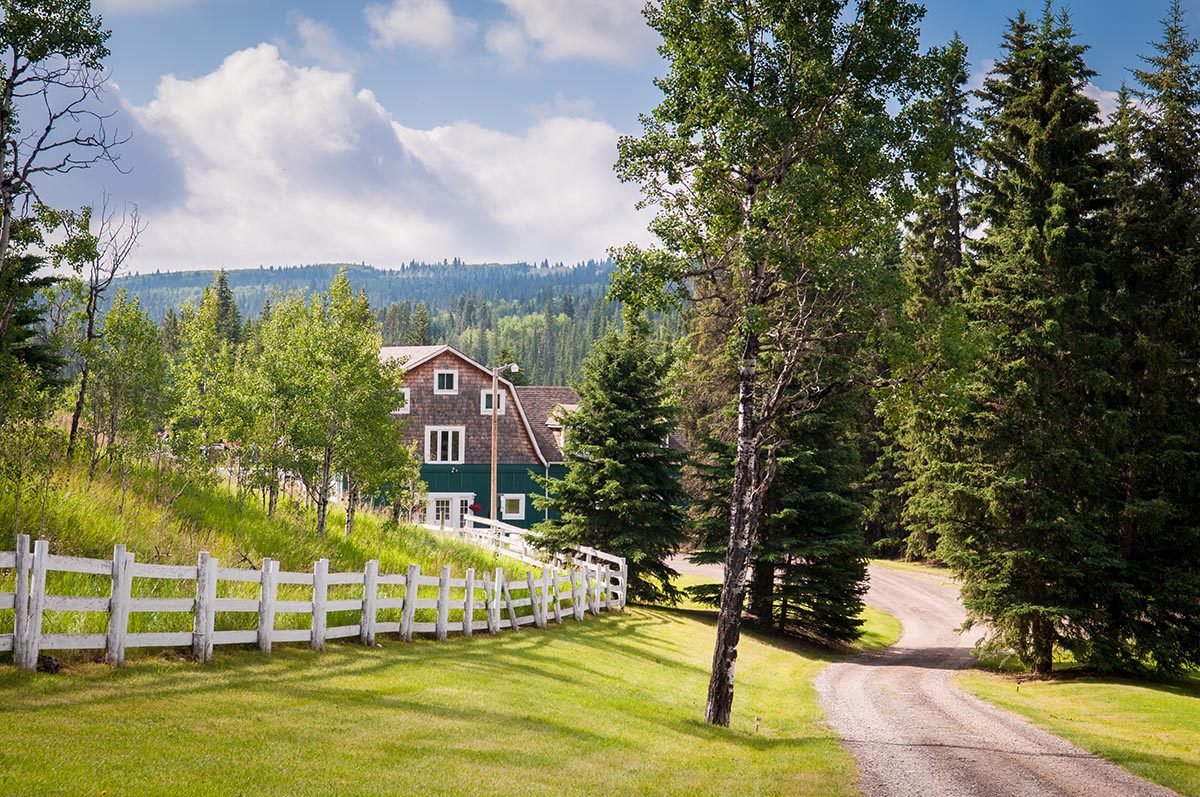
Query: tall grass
x=168 y=520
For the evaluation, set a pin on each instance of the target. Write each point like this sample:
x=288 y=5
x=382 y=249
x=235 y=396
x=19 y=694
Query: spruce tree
x=1154 y=226
x=1019 y=472
x=621 y=492
x=229 y=319
x=808 y=562
x=934 y=263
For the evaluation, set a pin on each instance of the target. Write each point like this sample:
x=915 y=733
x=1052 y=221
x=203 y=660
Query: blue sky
x=274 y=133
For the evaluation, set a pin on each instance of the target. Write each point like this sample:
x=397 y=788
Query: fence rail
x=567 y=587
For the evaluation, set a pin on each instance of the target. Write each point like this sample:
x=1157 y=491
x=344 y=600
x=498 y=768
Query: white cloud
x=597 y=30
x=430 y=24
x=284 y=164
x=1107 y=100
x=507 y=40
x=319 y=43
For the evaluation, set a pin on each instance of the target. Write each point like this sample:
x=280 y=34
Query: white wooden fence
x=515 y=543
x=569 y=587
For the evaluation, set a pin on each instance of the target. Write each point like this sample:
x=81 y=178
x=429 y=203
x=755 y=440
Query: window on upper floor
x=444 y=444
x=485 y=402
x=445 y=383
x=404 y=407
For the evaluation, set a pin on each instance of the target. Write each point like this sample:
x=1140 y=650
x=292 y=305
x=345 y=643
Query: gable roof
x=412 y=356
x=540 y=404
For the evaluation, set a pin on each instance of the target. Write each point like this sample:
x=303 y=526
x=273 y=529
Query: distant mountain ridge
x=435 y=284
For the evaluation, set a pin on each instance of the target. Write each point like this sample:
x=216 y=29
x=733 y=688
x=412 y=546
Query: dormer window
x=485 y=402
x=445 y=383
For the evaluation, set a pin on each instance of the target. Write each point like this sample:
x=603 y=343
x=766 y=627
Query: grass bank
x=1152 y=728
x=168 y=521
x=612 y=705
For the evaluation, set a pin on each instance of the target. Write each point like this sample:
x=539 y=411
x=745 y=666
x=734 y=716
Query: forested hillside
x=545 y=317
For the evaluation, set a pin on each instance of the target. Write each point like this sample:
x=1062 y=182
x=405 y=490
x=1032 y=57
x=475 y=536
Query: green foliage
x=1018 y=477
x=809 y=558
x=126 y=396
x=621 y=493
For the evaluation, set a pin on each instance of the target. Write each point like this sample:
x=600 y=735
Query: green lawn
x=612 y=705
x=1150 y=728
x=914 y=567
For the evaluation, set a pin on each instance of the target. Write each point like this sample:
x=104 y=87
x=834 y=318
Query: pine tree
x=621 y=492
x=417 y=333
x=1154 y=228
x=933 y=269
x=1020 y=471
x=229 y=319
x=809 y=560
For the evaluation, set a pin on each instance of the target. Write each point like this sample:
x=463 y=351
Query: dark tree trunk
x=272 y=495
x=762 y=590
x=1042 y=644
x=322 y=496
x=745 y=502
x=351 y=505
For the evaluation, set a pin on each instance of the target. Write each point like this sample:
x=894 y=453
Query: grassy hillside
x=1150 y=728
x=613 y=705
x=170 y=523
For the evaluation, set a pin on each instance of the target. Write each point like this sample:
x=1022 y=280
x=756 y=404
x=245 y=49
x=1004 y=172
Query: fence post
x=118 y=608
x=545 y=597
x=594 y=588
x=410 y=602
x=557 y=596
x=21 y=608
x=469 y=604
x=535 y=602
x=512 y=611
x=491 y=605
x=266 y=604
x=623 y=572
x=576 y=607
x=320 y=593
x=607 y=588
x=443 y=604
x=366 y=628
x=205 y=610
x=37 y=600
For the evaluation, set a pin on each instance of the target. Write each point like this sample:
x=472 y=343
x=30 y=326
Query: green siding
x=476 y=479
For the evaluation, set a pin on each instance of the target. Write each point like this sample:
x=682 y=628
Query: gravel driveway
x=914 y=733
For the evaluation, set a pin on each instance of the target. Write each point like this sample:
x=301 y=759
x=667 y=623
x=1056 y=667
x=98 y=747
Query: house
x=448 y=402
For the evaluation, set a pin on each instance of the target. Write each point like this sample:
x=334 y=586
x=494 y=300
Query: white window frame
x=441 y=392
x=431 y=431
x=407 y=393
x=505 y=514
x=484 y=409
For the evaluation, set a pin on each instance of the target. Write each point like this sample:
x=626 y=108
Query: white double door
x=448 y=509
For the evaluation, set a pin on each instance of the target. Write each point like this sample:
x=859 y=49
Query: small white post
x=320 y=594
x=469 y=604
x=366 y=628
x=266 y=604
x=576 y=606
x=497 y=586
x=535 y=602
x=491 y=605
x=623 y=571
x=410 y=602
x=21 y=609
x=607 y=583
x=443 y=604
x=37 y=601
x=512 y=611
x=596 y=590
x=205 y=612
x=545 y=597
x=557 y=581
